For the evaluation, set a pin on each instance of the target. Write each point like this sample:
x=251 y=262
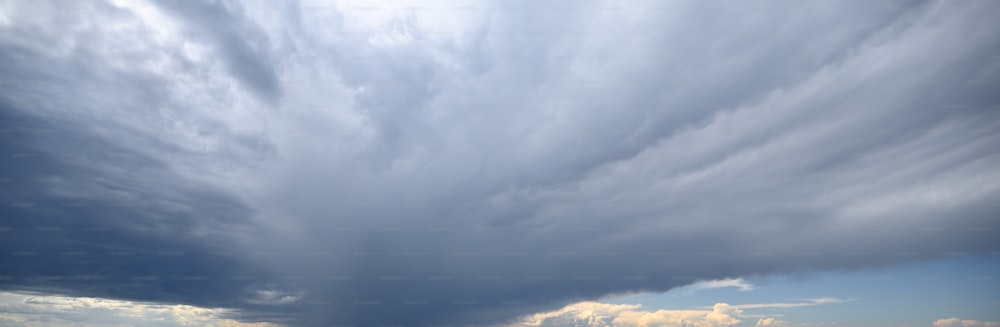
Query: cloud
x=600 y=314
x=786 y=305
x=243 y=47
x=274 y=297
x=48 y=310
x=603 y=314
x=739 y=283
x=765 y=322
x=955 y=322
x=319 y=163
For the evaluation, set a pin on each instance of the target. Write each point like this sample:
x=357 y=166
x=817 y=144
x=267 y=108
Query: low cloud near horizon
x=955 y=322
x=326 y=162
x=598 y=314
x=30 y=310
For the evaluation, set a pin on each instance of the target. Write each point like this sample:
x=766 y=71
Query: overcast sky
x=492 y=162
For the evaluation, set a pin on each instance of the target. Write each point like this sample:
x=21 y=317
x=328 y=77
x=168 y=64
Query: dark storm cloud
x=90 y=208
x=428 y=163
x=74 y=225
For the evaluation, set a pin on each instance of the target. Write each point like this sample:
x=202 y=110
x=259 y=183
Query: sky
x=499 y=163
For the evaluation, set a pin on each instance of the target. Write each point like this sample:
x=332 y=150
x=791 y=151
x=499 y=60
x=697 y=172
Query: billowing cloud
x=601 y=314
x=590 y=313
x=955 y=322
x=325 y=162
x=767 y=322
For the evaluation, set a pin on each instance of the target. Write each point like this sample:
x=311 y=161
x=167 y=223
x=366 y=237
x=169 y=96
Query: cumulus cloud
x=955 y=322
x=603 y=314
x=322 y=162
x=765 y=322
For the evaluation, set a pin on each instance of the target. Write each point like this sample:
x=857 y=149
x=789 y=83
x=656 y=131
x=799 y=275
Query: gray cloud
x=451 y=163
x=237 y=41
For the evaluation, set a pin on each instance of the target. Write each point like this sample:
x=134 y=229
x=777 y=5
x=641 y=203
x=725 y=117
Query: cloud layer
x=48 y=310
x=955 y=322
x=316 y=162
x=598 y=314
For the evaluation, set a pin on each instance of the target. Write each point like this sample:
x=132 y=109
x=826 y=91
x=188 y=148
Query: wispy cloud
x=956 y=322
x=787 y=305
x=738 y=283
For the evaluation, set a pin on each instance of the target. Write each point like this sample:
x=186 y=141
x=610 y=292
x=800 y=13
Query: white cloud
x=739 y=283
x=769 y=322
x=720 y=314
x=602 y=314
x=274 y=297
x=956 y=322
x=787 y=305
x=53 y=310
